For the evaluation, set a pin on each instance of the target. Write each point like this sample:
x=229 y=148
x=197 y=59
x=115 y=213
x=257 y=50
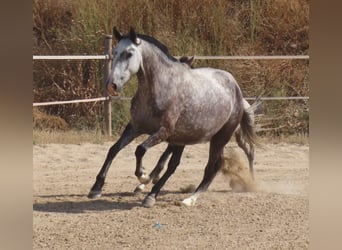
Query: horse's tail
x=255 y=108
x=247 y=126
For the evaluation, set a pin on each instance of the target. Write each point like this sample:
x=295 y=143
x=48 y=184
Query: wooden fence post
x=107 y=69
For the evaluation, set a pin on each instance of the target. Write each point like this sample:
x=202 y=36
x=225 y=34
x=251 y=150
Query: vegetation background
x=206 y=27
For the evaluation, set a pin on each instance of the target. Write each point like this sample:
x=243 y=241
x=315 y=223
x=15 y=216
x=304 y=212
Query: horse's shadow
x=77 y=203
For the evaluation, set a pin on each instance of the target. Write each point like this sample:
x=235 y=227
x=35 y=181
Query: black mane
x=158 y=44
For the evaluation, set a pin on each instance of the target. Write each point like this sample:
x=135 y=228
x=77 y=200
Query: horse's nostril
x=112 y=89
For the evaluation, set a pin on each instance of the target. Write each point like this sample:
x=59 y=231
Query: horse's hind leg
x=127 y=136
x=150 y=199
x=247 y=148
x=217 y=144
x=210 y=172
x=154 y=175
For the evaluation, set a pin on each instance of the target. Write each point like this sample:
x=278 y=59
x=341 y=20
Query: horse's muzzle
x=112 y=89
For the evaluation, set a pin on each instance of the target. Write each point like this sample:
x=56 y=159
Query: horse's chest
x=146 y=116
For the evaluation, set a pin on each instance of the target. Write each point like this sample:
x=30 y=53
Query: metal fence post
x=107 y=68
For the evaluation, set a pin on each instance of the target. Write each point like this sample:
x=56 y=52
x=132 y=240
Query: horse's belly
x=187 y=139
x=193 y=134
x=200 y=126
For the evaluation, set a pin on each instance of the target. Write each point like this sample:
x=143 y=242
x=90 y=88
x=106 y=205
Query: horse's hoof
x=139 y=188
x=189 y=202
x=94 y=194
x=144 y=179
x=149 y=201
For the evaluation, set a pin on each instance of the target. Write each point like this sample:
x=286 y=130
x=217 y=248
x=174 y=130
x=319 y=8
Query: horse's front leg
x=154 y=175
x=161 y=135
x=127 y=136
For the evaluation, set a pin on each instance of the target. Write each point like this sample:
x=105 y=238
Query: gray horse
x=248 y=148
x=175 y=104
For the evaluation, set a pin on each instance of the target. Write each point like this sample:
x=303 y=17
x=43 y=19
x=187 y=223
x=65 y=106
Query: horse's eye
x=128 y=55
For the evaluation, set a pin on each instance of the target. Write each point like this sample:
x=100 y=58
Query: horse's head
x=126 y=60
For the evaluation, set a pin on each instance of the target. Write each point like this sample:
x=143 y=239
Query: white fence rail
x=70 y=57
x=274 y=98
x=107 y=98
x=105 y=57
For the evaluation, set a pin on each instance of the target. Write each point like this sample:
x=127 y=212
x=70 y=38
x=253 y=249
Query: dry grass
x=48 y=122
x=211 y=28
x=301 y=139
x=68 y=137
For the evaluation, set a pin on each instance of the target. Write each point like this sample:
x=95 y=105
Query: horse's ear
x=117 y=34
x=183 y=59
x=133 y=37
x=187 y=60
x=190 y=60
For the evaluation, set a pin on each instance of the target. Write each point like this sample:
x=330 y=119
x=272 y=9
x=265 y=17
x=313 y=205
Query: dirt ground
x=275 y=216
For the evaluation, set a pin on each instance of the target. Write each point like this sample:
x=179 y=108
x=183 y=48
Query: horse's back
x=210 y=87
x=207 y=100
x=218 y=75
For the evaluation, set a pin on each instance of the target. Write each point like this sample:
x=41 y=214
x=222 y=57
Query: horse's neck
x=143 y=84
x=154 y=66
